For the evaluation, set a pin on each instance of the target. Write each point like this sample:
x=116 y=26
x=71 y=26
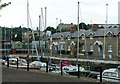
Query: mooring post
x=17 y=63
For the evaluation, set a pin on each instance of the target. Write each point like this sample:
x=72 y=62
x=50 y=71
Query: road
x=14 y=75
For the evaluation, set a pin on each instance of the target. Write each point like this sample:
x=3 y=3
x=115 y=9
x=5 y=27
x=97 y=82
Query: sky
x=92 y=12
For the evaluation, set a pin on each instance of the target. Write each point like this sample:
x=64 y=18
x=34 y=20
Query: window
x=110 y=74
x=114 y=74
x=109 y=48
x=83 y=49
x=62 y=46
x=68 y=48
x=62 y=37
x=91 y=36
x=91 y=48
x=83 y=37
x=107 y=74
x=68 y=37
x=109 y=34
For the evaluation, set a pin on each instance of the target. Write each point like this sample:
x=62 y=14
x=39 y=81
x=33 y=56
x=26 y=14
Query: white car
x=112 y=75
x=72 y=68
x=37 y=64
x=67 y=68
x=13 y=61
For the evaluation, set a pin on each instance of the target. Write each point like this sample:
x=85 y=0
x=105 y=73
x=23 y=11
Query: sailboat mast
x=78 y=34
x=105 y=31
x=45 y=29
x=39 y=31
x=28 y=24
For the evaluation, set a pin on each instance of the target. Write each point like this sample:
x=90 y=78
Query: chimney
x=94 y=27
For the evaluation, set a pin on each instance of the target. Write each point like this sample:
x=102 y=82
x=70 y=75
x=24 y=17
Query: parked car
x=112 y=74
x=68 y=68
x=37 y=64
x=13 y=61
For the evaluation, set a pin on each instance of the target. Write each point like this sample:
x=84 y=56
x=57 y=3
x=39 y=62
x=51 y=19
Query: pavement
x=18 y=75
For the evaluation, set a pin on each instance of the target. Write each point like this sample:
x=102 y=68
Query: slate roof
x=98 y=32
x=58 y=35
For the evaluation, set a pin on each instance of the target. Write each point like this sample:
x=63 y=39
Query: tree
x=4 y=5
x=17 y=34
x=50 y=29
x=82 y=25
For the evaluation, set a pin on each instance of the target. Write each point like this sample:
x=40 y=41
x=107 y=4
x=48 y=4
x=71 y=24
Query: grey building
x=93 y=43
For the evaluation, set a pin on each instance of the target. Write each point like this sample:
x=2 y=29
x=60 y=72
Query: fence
x=78 y=73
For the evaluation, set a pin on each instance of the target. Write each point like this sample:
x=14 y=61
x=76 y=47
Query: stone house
x=99 y=43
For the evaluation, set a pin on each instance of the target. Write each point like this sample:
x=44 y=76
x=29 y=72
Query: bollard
x=100 y=74
x=78 y=71
x=27 y=64
x=61 y=68
x=47 y=67
x=17 y=63
x=7 y=61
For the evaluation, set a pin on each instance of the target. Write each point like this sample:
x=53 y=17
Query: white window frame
x=91 y=48
x=83 y=37
x=62 y=37
x=83 y=48
x=68 y=47
x=109 y=35
x=62 y=47
x=91 y=37
x=109 y=48
x=68 y=37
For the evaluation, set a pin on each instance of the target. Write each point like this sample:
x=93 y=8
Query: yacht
x=112 y=75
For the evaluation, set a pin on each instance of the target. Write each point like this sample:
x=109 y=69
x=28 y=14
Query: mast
x=39 y=32
x=28 y=35
x=51 y=46
x=45 y=17
x=56 y=24
x=78 y=35
x=42 y=26
x=60 y=44
x=45 y=29
x=28 y=24
x=105 y=30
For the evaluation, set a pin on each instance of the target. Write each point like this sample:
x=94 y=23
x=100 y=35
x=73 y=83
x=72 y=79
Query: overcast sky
x=92 y=11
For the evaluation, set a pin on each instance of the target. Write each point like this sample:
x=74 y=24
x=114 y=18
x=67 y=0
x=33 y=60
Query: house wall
x=89 y=42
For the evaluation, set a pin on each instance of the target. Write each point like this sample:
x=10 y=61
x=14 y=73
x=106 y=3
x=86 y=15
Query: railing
x=78 y=73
